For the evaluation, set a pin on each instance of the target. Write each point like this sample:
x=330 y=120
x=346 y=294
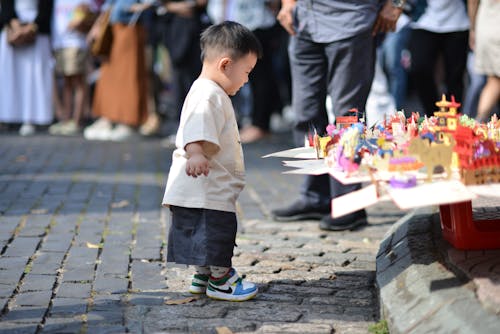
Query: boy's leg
x=199 y=281
x=225 y=284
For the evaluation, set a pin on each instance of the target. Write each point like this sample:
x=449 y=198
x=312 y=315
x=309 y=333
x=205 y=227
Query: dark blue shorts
x=201 y=237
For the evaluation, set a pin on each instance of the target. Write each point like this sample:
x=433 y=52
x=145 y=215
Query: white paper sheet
x=436 y=193
x=355 y=201
x=296 y=153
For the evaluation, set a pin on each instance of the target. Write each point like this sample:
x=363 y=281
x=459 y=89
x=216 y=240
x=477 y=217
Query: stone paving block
x=120 y=239
x=11 y=276
x=36 y=282
x=35 y=298
x=6 y=290
x=68 y=307
x=113 y=316
x=62 y=325
x=266 y=313
x=211 y=325
x=74 y=290
x=150 y=299
x=83 y=273
x=65 y=223
x=113 y=285
x=47 y=263
x=35 y=225
x=9 y=327
x=170 y=318
x=13 y=262
x=147 y=276
x=8 y=225
x=19 y=209
x=297 y=328
x=57 y=243
x=150 y=253
x=22 y=246
x=82 y=254
x=25 y=314
x=113 y=265
x=106 y=329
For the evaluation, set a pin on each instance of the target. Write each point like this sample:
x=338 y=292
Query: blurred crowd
x=51 y=81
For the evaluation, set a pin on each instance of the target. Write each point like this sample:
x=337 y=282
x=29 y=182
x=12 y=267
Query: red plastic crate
x=463 y=232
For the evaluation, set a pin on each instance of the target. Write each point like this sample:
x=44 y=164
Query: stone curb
x=417 y=290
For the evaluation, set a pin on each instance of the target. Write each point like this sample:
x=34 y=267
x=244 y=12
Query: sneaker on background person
x=99 y=130
x=301 y=211
x=122 y=132
x=27 y=130
x=351 y=221
x=64 y=128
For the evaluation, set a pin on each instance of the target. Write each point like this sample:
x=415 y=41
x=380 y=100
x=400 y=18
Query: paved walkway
x=82 y=248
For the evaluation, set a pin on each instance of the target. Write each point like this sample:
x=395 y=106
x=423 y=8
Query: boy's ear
x=223 y=63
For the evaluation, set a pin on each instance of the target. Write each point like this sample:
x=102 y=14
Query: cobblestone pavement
x=82 y=248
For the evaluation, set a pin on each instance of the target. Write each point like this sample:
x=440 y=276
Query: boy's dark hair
x=229 y=37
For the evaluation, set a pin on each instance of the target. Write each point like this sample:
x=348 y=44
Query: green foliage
x=379 y=328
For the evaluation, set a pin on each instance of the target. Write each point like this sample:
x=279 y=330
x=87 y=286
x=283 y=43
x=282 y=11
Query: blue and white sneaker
x=231 y=288
x=198 y=284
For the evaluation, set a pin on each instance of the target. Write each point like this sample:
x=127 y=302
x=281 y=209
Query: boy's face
x=237 y=73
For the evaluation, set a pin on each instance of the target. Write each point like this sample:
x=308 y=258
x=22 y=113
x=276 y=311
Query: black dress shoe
x=300 y=211
x=350 y=221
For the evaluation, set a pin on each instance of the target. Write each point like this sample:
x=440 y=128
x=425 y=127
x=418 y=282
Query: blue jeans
x=391 y=55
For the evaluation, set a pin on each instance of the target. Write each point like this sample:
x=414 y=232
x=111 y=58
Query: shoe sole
x=353 y=226
x=305 y=216
x=198 y=291
x=230 y=298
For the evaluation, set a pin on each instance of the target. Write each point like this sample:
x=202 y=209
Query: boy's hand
x=197 y=164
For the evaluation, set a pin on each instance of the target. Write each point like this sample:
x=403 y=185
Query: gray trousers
x=343 y=70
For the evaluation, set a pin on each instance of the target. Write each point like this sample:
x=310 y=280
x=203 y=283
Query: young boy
x=207 y=172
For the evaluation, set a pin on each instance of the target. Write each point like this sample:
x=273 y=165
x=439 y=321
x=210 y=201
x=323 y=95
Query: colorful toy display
x=447 y=142
x=446 y=160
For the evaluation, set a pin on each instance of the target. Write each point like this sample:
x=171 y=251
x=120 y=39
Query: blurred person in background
x=440 y=33
x=332 y=52
x=26 y=64
x=180 y=24
x=120 y=96
x=484 y=39
x=71 y=22
x=259 y=17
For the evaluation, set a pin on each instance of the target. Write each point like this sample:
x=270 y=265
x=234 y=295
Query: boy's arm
x=197 y=162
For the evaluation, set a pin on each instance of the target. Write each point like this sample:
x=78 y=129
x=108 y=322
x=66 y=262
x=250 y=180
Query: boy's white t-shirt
x=207 y=115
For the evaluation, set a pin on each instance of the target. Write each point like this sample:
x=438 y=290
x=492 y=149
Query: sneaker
x=151 y=126
x=231 y=288
x=54 y=129
x=199 y=284
x=300 y=211
x=66 y=128
x=350 y=221
x=27 y=130
x=122 y=132
x=99 y=130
